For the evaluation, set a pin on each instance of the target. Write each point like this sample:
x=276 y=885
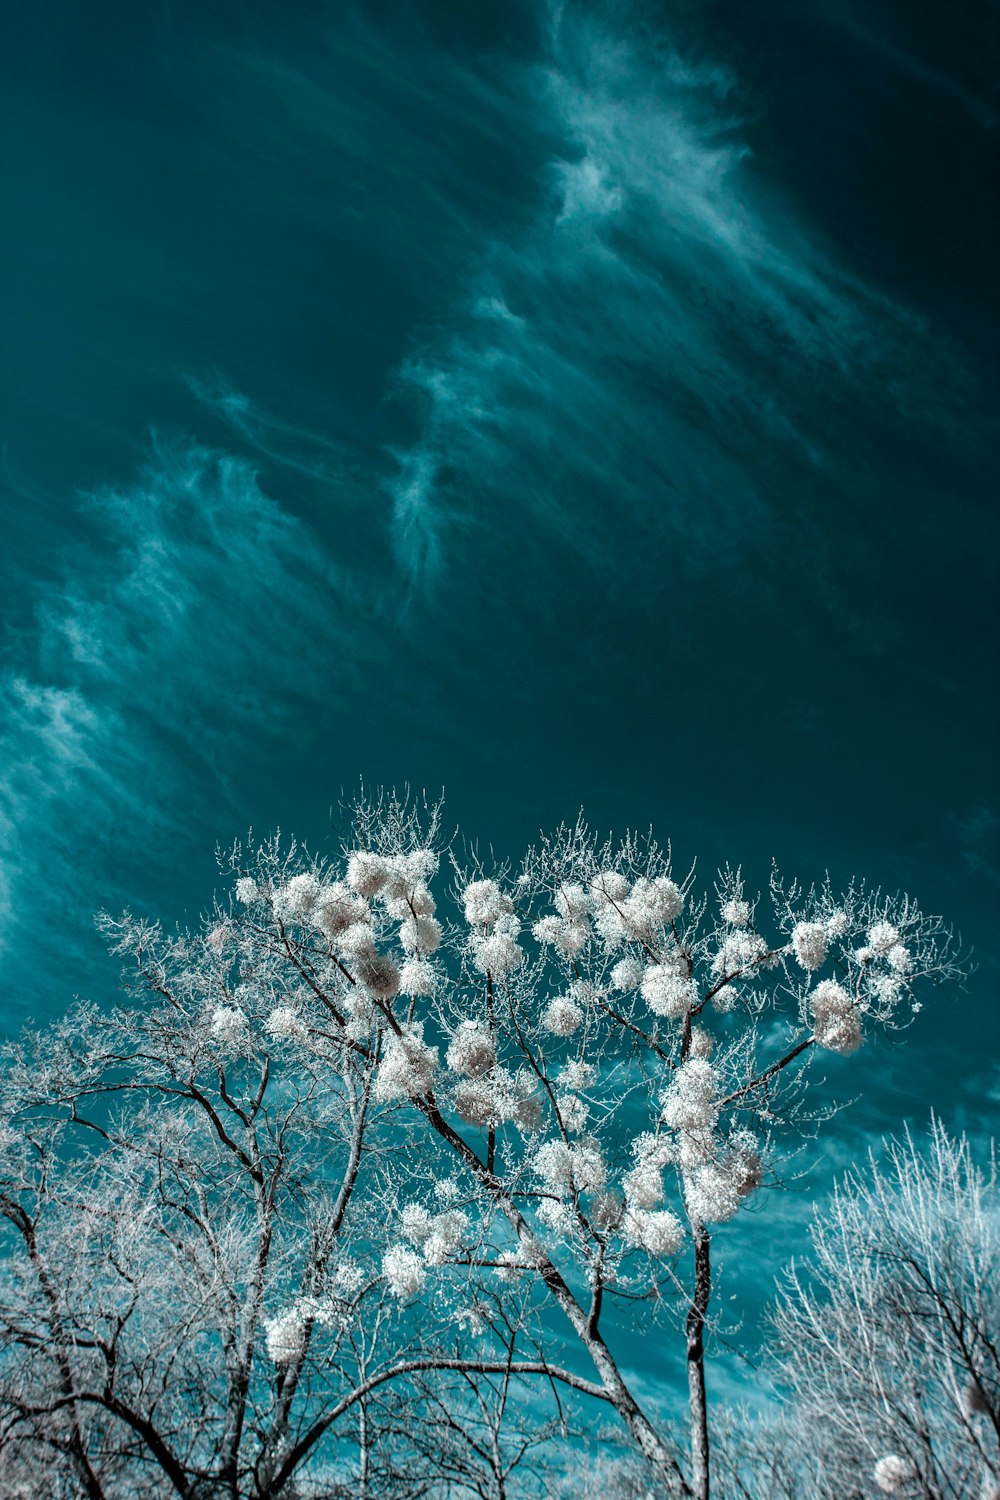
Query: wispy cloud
x=193 y=628
x=642 y=354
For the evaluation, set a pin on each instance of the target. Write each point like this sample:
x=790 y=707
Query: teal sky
x=573 y=405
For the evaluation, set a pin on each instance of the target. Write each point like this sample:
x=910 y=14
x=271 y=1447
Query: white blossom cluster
x=285 y=1024
x=668 y=988
x=408 y=1065
x=229 y=1027
x=564 y=1168
x=472 y=1050
x=286 y=1335
x=493 y=943
x=439 y=1235
x=836 y=1024
x=405 y=1272
x=893 y=1473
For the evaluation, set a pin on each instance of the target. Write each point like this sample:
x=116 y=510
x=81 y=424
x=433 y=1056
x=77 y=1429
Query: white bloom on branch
x=837 y=1026
x=247 y=890
x=577 y=1074
x=294 y=901
x=610 y=885
x=445 y=1240
x=404 y=1270
x=417 y=978
x=407 y=1066
x=691 y=1102
x=702 y=1042
x=497 y=951
x=286 y=1336
x=668 y=992
x=837 y=923
x=809 y=942
x=416 y=1223
x=485 y=903
x=658 y=1231
x=736 y=913
x=899 y=958
x=286 y=1025
x=739 y=952
x=573 y=1111
x=882 y=938
x=336 y=908
x=367 y=873
x=229 y=1027
x=358 y=940
x=627 y=974
x=580 y=1166
x=652 y=905
x=562 y=1016
x=484 y=1102
x=377 y=973
x=472 y=1050
x=892 y=1473
x=420 y=934
x=572 y=901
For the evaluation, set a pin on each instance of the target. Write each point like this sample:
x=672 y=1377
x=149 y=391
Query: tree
x=890 y=1339
x=340 y=1141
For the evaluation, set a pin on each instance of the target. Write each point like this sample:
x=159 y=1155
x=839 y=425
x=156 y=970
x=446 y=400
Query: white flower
x=658 y=1231
x=247 y=890
x=294 y=900
x=416 y=1222
x=472 y=1049
x=668 y=992
x=899 y=958
x=882 y=937
x=562 y=1016
x=526 y=1109
x=725 y=998
x=652 y=905
x=609 y=885
x=710 y=1193
x=448 y=1231
x=837 y=923
x=627 y=974
x=691 y=1100
x=377 y=973
x=286 y=1025
x=229 y=1027
x=404 y=1270
x=497 y=953
x=892 y=1473
x=358 y=940
x=840 y=1034
x=809 y=940
x=577 y=1074
x=336 y=908
x=483 y=1101
x=286 y=1336
x=420 y=934
x=702 y=1042
x=485 y=903
x=644 y=1185
x=580 y=1165
x=739 y=951
x=407 y=1066
x=367 y=873
x=736 y=913
x=417 y=978
x=347 y=1279
x=572 y=901
x=573 y=1111
x=568 y=935
x=509 y=1266
x=837 y=1026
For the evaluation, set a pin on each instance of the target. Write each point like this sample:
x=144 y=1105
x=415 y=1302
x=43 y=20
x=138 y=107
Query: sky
x=561 y=405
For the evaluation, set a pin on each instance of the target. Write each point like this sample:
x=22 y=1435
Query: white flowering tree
x=889 y=1341
x=406 y=1114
